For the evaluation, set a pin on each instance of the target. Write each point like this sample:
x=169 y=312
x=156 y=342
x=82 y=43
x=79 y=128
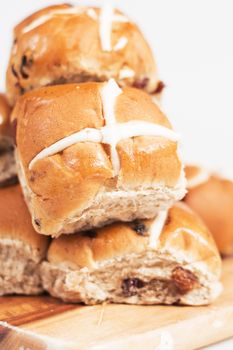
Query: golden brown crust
x=37 y=14
x=67 y=48
x=153 y=159
x=184 y=236
x=191 y=171
x=137 y=105
x=52 y=113
x=5 y=111
x=15 y=220
x=84 y=249
x=190 y=235
x=58 y=111
x=213 y=201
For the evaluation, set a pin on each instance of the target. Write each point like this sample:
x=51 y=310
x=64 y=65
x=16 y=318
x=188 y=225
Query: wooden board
x=46 y=323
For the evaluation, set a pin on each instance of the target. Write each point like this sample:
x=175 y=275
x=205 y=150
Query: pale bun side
x=21 y=248
x=53 y=46
x=20 y=268
x=15 y=221
x=133 y=263
x=212 y=199
x=71 y=190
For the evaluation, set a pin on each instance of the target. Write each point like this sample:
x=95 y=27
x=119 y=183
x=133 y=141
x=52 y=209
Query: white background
x=193 y=45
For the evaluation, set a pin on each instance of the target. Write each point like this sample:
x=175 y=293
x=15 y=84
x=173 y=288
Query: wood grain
x=18 y=310
x=117 y=327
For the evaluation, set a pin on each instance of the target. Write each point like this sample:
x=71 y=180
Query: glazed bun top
x=66 y=44
x=178 y=233
x=52 y=120
x=5 y=111
x=92 y=138
x=15 y=220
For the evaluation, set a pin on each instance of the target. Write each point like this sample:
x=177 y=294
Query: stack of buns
x=98 y=215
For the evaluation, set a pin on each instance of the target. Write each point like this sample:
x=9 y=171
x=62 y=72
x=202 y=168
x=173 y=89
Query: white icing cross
x=157 y=227
x=192 y=233
x=107 y=16
x=69 y=11
x=109 y=94
x=201 y=177
x=120 y=44
x=1 y=120
x=109 y=134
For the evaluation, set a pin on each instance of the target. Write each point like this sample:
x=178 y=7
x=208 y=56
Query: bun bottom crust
x=144 y=279
x=19 y=268
x=106 y=208
x=122 y=206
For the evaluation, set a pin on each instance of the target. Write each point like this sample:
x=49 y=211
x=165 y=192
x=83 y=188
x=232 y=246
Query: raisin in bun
x=21 y=248
x=92 y=153
x=211 y=196
x=170 y=259
x=65 y=44
x=7 y=162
